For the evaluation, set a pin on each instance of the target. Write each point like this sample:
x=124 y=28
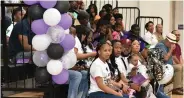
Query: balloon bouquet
x=53 y=43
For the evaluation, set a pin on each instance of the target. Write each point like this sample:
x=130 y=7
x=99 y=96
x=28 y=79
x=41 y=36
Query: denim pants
x=83 y=87
x=160 y=93
x=105 y=95
x=74 y=82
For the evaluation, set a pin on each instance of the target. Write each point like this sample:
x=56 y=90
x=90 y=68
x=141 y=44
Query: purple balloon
x=68 y=42
x=61 y=78
x=66 y=21
x=48 y=4
x=30 y=2
x=39 y=27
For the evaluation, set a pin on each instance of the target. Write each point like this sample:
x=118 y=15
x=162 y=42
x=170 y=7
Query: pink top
x=116 y=35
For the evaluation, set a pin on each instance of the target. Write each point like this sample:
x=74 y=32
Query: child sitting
x=118 y=32
x=138 y=74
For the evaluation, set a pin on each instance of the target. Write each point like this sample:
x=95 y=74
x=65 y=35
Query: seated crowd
x=108 y=55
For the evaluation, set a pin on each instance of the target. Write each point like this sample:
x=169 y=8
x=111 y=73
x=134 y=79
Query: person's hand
x=135 y=86
x=125 y=89
x=173 y=46
x=119 y=94
x=134 y=71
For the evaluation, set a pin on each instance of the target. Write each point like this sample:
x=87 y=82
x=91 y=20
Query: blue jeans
x=160 y=93
x=74 y=81
x=83 y=87
x=105 y=95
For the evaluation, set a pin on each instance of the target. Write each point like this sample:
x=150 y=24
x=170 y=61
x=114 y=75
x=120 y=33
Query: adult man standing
x=18 y=14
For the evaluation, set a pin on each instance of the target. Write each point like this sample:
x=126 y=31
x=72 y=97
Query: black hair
x=81 y=30
x=107 y=17
x=82 y=15
x=113 y=66
x=134 y=26
x=101 y=12
x=101 y=22
x=89 y=9
x=16 y=10
x=84 y=43
x=116 y=16
x=107 y=7
x=147 y=24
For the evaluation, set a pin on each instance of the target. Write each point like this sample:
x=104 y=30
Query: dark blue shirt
x=21 y=28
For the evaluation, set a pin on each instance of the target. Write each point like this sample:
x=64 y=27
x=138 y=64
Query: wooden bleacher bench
x=29 y=94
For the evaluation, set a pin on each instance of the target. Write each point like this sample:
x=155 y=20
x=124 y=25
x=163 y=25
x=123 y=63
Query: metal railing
x=142 y=20
x=100 y=3
x=129 y=16
x=17 y=77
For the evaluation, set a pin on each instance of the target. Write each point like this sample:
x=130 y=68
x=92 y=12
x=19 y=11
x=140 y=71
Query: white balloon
x=54 y=67
x=51 y=16
x=143 y=70
x=56 y=33
x=69 y=59
x=67 y=31
x=168 y=74
x=41 y=42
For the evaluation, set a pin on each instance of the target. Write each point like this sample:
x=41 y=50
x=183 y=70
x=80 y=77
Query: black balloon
x=55 y=51
x=36 y=12
x=62 y=6
x=42 y=75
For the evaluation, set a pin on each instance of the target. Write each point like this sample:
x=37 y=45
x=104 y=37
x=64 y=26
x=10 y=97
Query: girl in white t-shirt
x=100 y=75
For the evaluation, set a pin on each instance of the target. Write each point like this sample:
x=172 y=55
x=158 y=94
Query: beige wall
x=178 y=19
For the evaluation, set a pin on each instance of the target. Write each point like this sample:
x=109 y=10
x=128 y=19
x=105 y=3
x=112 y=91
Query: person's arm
x=81 y=56
x=166 y=54
x=105 y=88
x=24 y=42
x=175 y=59
x=169 y=54
x=124 y=79
x=181 y=59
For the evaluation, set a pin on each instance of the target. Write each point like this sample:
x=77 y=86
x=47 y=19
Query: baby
x=138 y=74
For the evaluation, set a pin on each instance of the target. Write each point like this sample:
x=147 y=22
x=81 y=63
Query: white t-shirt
x=121 y=65
x=9 y=29
x=151 y=39
x=141 y=69
x=101 y=69
x=78 y=45
x=90 y=59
